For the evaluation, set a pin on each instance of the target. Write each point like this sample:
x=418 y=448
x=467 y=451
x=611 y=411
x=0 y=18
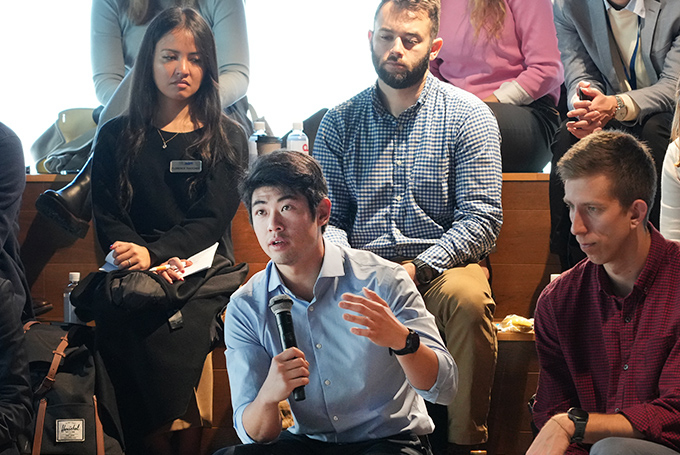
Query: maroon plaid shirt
x=607 y=354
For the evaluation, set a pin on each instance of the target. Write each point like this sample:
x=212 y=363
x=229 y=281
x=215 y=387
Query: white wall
x=46 y=63
x=305 y=55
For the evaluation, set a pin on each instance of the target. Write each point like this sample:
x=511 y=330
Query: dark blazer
x=583 y=41
x=12 y=184
x=16 y=409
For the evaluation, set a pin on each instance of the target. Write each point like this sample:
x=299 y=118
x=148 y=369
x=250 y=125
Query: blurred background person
x=12 y=184
x=16 y=409
x=669 y=224
x=505 y=52
x=621 y=63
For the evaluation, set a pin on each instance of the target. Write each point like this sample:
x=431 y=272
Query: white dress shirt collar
x=636 y=6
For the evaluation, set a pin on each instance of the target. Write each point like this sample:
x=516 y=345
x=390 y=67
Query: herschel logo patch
x=70 y=430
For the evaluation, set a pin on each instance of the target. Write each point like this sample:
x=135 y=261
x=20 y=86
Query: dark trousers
x=655 y=131
x=526 y=134
x=288 y=443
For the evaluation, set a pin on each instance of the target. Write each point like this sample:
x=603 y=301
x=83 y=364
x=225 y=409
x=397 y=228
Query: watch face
x=423 y=273
x=578 y=413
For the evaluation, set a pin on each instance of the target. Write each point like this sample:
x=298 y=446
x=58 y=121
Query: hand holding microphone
x=281 y=305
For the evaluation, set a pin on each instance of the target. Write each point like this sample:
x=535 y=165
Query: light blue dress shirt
x=357 y=390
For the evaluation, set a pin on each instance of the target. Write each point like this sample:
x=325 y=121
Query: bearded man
x=414 y=173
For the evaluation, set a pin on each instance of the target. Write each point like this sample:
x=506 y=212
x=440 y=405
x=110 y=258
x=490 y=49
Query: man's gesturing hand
x=381 y=326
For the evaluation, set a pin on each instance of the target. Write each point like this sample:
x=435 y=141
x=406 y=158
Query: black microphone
x=280 y=306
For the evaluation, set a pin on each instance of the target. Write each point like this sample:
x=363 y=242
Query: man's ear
x=435 y=48
x=638 y=212
x=370 y=37
x=323 y=211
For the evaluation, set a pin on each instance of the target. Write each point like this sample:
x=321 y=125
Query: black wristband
x=412 y=344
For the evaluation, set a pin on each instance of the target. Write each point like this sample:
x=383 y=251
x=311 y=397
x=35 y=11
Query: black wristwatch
x=580 y=419
x=412 y=344
x=424 y=273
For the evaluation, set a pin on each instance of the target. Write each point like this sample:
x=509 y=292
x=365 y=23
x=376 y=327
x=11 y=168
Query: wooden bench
x=521 y=267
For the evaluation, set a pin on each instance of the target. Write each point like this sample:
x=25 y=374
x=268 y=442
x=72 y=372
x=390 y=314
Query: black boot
x=71 y=206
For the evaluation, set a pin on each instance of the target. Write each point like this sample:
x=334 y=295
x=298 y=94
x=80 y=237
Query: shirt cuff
x=572 y=100
x=443 y=390
x=437 y=257
x=511 y=92
x=633 y=110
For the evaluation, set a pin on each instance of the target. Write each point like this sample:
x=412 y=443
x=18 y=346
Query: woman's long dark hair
x=212 y=145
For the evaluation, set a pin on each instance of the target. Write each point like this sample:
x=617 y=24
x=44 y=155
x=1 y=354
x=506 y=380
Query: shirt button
x=625 y=367
x=335 y=418
x=318 y=345
x=327 y=382
x=616 y=410
x=399 y=198
x=398 y=163
x=311 y=308
x=627 y=320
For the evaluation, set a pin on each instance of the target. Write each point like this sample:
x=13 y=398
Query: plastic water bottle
x=297 y=140
x=252 y=141
x=69 y=313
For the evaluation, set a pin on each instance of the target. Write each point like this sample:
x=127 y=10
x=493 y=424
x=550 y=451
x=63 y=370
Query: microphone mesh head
x=280 y=303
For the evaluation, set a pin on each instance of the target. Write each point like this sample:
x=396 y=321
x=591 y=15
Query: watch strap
x=621 y=109
x=580 y=419
x=412 y=344
x=424 y=273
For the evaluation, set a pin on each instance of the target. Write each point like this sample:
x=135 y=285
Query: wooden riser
x=521 y=267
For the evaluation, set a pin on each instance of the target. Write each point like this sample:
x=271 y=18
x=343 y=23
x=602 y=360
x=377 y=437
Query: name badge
x=186 y=166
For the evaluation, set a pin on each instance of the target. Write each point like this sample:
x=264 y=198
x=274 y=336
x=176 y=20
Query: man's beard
x=403 y=80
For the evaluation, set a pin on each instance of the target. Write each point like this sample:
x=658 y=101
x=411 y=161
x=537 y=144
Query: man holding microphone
x=368 y=351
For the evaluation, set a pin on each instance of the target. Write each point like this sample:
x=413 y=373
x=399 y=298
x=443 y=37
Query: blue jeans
x=629 y=446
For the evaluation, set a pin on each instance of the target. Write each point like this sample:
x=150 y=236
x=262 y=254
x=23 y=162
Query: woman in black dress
x=164 y=187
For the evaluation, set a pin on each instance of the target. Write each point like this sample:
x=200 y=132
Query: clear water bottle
x=297 y=139
x=69 y=313
x=252 y=141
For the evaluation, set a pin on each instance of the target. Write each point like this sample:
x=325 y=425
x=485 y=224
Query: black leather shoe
x=71 y=206
x=41 y=306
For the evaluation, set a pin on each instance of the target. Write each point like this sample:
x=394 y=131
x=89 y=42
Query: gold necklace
x=165 y=143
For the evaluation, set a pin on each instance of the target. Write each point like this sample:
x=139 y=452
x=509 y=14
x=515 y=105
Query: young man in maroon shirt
x=608 y=330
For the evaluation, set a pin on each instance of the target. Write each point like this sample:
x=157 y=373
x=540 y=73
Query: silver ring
x=129 y=263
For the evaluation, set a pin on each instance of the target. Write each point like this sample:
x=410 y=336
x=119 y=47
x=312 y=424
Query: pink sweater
x=525 y=56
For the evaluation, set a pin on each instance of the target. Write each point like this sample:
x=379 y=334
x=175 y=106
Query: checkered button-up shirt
x=426 y=184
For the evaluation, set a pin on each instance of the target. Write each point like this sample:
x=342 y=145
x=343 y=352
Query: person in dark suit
x=623 y=57
x=12 y=184
x=15 y=390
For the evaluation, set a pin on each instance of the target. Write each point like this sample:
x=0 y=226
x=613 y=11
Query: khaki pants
x=460 y=299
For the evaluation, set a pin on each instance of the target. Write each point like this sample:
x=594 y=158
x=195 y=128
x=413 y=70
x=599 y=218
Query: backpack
x=75 y=411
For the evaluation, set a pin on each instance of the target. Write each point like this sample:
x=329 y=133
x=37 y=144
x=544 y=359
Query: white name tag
x=70 y=430
x=186 y=166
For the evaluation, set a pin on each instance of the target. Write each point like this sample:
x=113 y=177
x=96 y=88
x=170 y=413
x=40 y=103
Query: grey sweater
x=115 y=41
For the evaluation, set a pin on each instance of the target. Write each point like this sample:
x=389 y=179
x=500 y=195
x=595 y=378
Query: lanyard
x=631 y=77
